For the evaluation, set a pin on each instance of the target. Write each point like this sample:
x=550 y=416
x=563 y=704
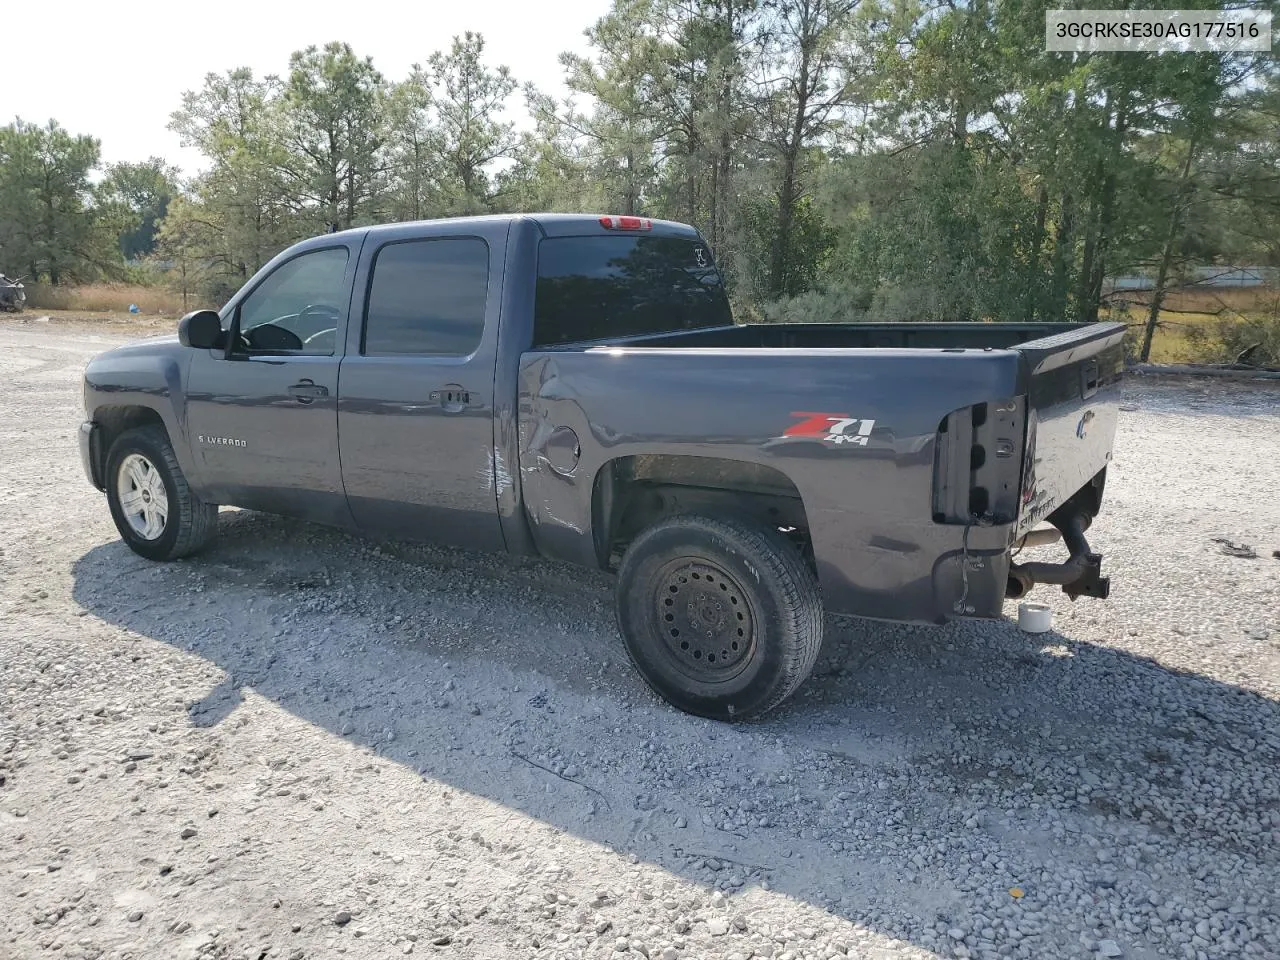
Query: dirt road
x=300 y=744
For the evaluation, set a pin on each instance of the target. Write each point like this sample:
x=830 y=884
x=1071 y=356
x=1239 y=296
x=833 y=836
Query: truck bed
x=922 y=336
x=966 y=436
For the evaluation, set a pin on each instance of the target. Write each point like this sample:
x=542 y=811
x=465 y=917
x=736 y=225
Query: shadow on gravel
x=864 y=796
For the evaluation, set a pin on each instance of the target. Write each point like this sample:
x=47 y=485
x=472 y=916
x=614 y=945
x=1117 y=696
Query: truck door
x=415 y=405
x=263 y=418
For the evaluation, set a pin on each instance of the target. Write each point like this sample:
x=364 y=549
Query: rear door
x=1072 y=384
x=263 y=418
x=415 y=408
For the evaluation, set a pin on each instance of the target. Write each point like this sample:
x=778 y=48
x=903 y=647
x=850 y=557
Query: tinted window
x=595 y=288
x=427 y=297
x=298 y=307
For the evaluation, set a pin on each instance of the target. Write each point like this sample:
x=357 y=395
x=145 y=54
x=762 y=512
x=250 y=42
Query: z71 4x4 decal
x=839 y=428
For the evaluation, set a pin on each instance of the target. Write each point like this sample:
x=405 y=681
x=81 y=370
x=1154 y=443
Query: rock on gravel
x=453 y=753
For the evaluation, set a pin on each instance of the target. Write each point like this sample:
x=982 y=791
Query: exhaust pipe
x=1040 y=537
x=1018 y=585
x=1079 y=574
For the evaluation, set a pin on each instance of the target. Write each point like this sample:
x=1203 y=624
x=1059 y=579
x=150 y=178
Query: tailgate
x=1071 y=381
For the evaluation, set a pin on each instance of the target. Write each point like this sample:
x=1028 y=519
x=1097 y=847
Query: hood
x=164 y=343
x=121 y=364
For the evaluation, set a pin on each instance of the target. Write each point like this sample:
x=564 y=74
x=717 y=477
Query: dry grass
x=105 y=297
x=1171 y=343
x=1188 y=316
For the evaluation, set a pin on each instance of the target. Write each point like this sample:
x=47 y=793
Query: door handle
x=453 y=398
x=304 y=391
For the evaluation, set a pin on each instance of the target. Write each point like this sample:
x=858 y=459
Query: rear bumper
x=90 y=448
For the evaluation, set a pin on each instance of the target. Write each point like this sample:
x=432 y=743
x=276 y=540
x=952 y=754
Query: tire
x=723 y=619
x=188 y=522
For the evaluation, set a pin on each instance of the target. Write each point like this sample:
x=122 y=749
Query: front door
x=263 y=417
x=415 y=413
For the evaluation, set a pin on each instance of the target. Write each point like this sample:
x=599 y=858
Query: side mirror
x=200 y=329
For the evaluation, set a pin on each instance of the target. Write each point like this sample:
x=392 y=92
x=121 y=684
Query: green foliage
x=803 y=251
x=469 y=99
x=49 y=225
x=239 y=211
x=1251 y=340
x=838 y=303
x=553 y=171
x=138 y=196
x=332 y=118
x=889 y=159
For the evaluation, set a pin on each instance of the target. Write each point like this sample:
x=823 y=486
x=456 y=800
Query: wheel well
x=113 y=421
x=633 y=493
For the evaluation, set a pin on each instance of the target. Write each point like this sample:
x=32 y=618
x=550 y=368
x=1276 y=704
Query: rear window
x=600 y=288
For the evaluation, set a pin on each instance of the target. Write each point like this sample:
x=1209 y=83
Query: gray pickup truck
x=575 y=387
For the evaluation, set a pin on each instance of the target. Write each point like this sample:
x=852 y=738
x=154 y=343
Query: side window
x=298 y=306
x=427 y=298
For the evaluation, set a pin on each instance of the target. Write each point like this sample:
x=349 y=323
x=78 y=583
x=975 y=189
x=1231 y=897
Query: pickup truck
x=575 y=387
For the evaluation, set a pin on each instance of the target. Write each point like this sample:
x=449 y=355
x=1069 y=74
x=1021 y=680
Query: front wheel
x=722 y=619
x=153 y=508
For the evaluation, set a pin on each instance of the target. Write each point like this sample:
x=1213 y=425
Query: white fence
x=1203 y=277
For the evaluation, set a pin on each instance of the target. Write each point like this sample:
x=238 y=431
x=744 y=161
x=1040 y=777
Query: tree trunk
x=417 y=179
x=1063 y=258
x=50 y=231
x=1157 y=295
x=714 y=232
x=1085 y=279
x=779 y=272
x=691 y=184
x=333 y=184
x=724 y=165
x=351 y=195
x=693 y=144
x=724 y=178
x=629 y=201
x=1166 y=256
x=1035 y=274
x=1091 y=280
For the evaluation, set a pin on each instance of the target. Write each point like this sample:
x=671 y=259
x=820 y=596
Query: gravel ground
x=301 y=744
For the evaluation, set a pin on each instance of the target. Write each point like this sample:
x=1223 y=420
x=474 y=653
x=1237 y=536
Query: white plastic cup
x=1034 y=617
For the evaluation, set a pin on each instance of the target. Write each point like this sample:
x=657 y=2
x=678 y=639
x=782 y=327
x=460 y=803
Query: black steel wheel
x=708 y=625
x=723 y=619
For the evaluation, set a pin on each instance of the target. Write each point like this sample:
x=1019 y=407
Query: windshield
x=598 y=288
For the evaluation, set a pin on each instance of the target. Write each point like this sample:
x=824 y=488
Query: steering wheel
x=268 y=336
x=330 y=332
x=318 y=309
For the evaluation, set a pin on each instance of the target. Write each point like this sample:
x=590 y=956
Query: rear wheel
x=153 y=508
x=723 y=619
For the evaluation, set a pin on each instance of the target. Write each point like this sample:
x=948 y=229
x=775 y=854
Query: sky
x=119 y=69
